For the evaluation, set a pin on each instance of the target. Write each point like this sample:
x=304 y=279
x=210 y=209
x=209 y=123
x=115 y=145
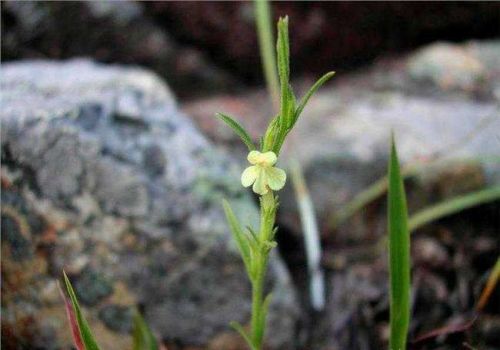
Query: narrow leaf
x=271 y=134
x=263 y=313
x=399 y=255
x=239 y=236
x=238 y=129
x=143 y=337
x=453 y=205
x=489 y=287
x=283 y=61
x=85 y=332
x=311 y=92
x=237 y=327
x=70 y=314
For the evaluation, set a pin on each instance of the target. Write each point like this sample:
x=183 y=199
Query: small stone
x=429 y=251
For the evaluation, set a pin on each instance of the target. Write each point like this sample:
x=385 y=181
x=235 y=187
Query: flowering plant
x=255 y=246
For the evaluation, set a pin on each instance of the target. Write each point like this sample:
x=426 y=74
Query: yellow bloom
x=262 y=174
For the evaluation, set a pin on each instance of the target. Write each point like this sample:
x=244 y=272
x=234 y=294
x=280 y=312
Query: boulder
x=104 y=177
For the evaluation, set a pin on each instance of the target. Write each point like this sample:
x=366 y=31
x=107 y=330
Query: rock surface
x=104 y=177
x=107 y=31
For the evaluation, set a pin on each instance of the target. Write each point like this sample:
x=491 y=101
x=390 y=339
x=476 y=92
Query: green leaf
x=263 y=313
x=238 y=235
x=237 y=327
x=143 y=337
x=453 y=205
x=311 y=92
x=83 y=326
x=271 y=134
x=283 y=61
x=238 y=129
x=399 y=255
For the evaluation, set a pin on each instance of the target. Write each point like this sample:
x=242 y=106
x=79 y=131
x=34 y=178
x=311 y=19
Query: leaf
x=399 y=255
x=70 y=313
x=83 y=327
x=238 y=129
x=237 y=327
x=238 y=235
x=271 y=134
x=453 y=205
x=489 y=287
x=307 y=96
x=263 y=312
x=143 y=337
x=283 y=61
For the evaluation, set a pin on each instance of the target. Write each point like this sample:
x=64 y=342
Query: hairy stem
x=267 y=217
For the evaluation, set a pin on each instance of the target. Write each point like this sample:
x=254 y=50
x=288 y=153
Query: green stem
x=267 y=217
x=263 y=21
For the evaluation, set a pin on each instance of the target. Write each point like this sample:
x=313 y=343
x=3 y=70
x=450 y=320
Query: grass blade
x=452 y=206
x=85 y=332
x=264 y=30
x=489 y=287
x=238 y=129
x=143 y=337
x=399 y=256
x=70 y=314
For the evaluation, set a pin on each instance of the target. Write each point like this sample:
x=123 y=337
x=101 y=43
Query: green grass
x=399 y=255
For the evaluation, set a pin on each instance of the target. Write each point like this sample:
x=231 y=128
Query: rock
x=447 y=66
x=117 y=32
x=104 y=177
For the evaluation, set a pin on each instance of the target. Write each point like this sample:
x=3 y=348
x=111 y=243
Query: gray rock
x=104 y=177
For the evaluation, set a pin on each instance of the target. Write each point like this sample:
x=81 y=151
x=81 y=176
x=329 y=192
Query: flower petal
x=259 y=185
x=254 y=157
x=268 y=158
x=276 y=178
x=249 y=176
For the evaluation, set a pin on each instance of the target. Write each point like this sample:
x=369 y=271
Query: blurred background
x=113 y=168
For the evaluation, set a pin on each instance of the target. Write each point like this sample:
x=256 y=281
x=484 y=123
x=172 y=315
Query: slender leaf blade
x=283 y=61
x=70 y=314
x=239 y=236
x=312 y=91
x=237 y=327
x=144 y=339
x=238 y=129
x=399 y=255
x=83 y=326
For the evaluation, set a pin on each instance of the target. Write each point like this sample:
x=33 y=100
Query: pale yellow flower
x=262 y=174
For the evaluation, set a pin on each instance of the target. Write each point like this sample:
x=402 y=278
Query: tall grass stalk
x=399 y=255
x=266 y=41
